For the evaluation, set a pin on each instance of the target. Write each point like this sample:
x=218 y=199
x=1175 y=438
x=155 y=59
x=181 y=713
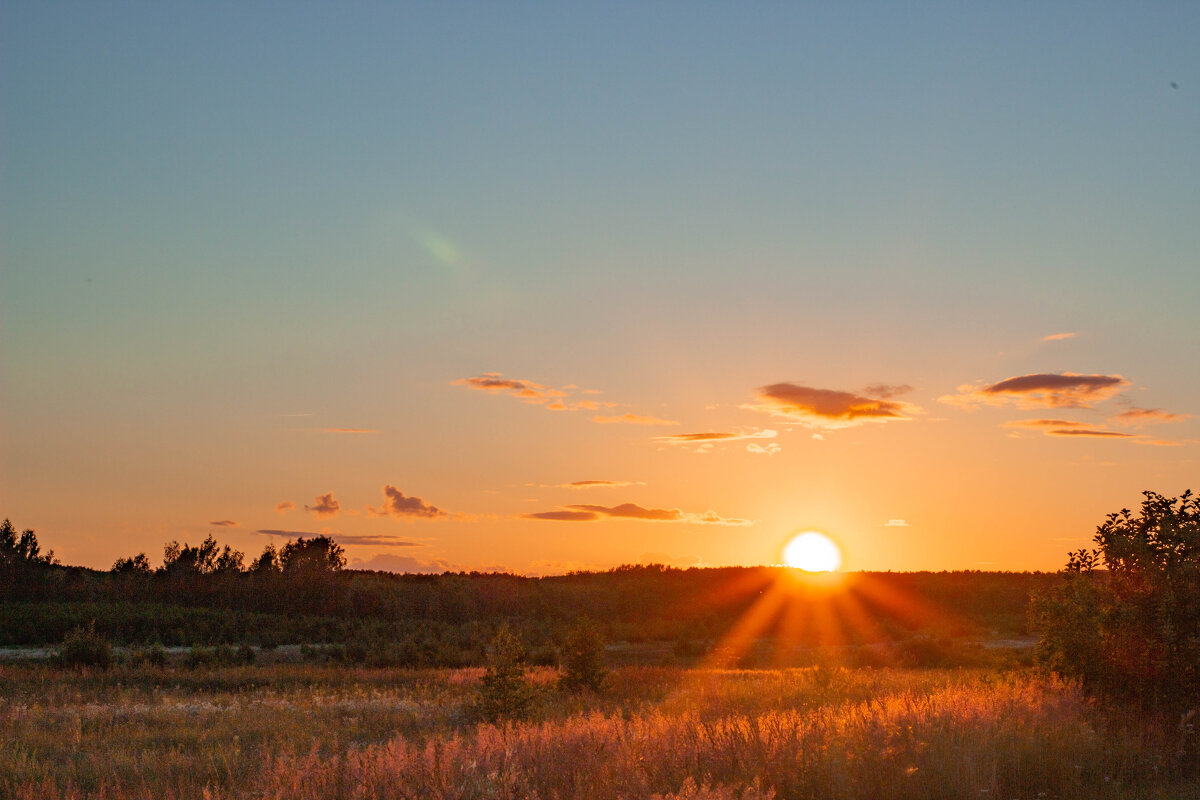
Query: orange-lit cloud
x=828 y=409
x=399 y=506
x=349 y=430
x=634 y=419
x=1041 y=390
x=589 y=513
x=593 y=484
x=344 y=538
x=285 y=506
x=693 y=438
x=224 y=523
x=1057 y=337
x=886 y=390
x=896 y=523
x=1145 y=416
x=1071 y=428
x=496 y=383
x=325 y=506
x=769 y=450
x=390 y=562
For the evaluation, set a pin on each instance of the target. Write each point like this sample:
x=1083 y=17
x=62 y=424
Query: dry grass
x=307 y=732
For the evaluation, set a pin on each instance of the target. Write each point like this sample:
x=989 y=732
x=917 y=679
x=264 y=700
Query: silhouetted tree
x=1131 y=632
x=136 y=565
x=583 y=657
x=319 y=555
x=505 y=691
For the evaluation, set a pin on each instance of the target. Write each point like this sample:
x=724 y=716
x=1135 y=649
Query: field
x=304 y=731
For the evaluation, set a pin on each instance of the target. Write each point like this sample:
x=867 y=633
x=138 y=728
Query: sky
x=544 y=287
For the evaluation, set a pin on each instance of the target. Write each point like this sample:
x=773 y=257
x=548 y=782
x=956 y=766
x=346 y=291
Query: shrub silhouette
x=505 y=691
x=1131 y=632
x=583 y=658
x=83 y=647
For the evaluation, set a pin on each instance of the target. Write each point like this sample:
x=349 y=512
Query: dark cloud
x=826 y=409
x=563 y=516
x=1038 y=424
x=290 y=534
x=590 y=513
x=1042 y=390
x=390 y=562
x=325 y=506
x=372 y=539
x=1094 y=432
x=887 y=390
x=397 y=505
x=495 y=383
x=715 y=436
x=224 y=523
x=1144 y=416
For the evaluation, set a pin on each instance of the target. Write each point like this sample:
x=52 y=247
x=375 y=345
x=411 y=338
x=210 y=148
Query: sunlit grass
x=317 y=732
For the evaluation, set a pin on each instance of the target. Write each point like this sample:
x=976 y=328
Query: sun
x=812 y=552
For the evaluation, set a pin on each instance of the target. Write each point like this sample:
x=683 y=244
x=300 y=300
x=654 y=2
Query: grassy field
x=300 y=731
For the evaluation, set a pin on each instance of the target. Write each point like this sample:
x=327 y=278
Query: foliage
x=505 y=690
x=583 y=657
x=1131 y=632
x=83 y=647
x=319 y=555
x=21 y=550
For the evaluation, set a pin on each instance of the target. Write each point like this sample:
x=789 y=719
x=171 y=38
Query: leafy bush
x=505 y=691
x=83 y=647
x=583 y=658
x=1131 y=632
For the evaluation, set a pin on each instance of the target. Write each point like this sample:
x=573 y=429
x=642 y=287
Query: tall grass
x=304 y=733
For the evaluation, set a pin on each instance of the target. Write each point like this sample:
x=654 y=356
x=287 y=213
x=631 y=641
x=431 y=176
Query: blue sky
x=216 y=215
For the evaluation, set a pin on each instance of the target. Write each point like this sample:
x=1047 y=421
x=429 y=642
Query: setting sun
x=812 y=552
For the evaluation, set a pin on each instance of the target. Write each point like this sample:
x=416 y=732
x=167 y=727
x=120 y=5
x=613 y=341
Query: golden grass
x=305 y=733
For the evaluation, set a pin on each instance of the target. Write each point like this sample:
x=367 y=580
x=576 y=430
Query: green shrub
x=505 y=691
x=83 y=647
x=583 y=658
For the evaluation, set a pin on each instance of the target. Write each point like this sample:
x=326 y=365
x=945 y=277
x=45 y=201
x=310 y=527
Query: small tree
x=505 y=691
x=83 y=647
x=583 y=658
x=1131 y=632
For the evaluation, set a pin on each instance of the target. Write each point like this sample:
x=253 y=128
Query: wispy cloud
x=1138 y=417
x=596 y=484
x=372 y=539
x=1058 y=337
x=224 y=523
x=828 y=409
x=284 y=507
x=324 y=506
x=634 y=419
x=693 y=438
x=496 y=383
x=1041 y=390
x=390 y=562
x=289 y=534
x=769 y=450
x=896 y=523
x=399 y=506
x=886 y=390
x=589 y=513
x=349 y=430
x=1067 y=428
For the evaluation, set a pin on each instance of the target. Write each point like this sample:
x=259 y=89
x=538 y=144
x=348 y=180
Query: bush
x=83 y=647
x=583 y=658
x=505 y=691
x=1131 y=633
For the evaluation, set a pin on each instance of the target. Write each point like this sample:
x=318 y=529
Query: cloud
x=496 y=383
x=289 y=534
x=390 y=562
x=593 y=484
x=691 y=438
x=886 y=390
x=896 y=523
x=285 y=506
x=1041 y=390
x=1057 y=337
x=828 y=409
x=325 y=506
x=372 y=539
x=563 y=516
x=634 y=419
x=1070 y=428
x=1144 y=416
x=349 y=430
x=590 y=513
x=770 y=450
x=397 y=505
x=224 y=523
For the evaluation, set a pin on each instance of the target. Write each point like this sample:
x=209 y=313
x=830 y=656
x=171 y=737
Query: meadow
x=302 y=731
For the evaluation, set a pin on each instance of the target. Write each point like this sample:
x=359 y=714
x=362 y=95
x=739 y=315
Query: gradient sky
x=408 y=274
